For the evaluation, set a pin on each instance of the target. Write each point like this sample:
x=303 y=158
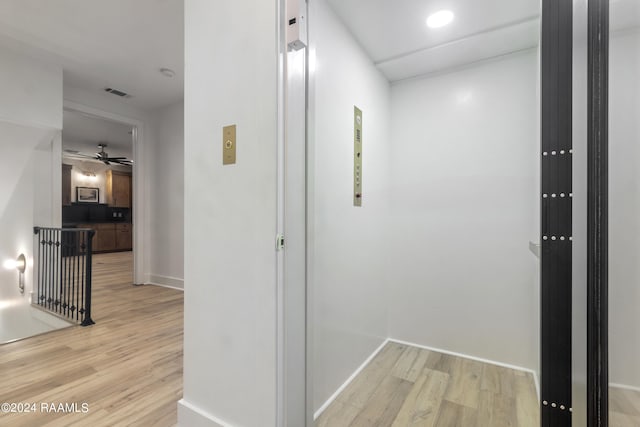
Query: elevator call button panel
x=229 y=145
x=357 y=156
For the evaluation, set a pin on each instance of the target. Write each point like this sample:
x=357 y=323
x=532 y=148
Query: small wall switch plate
x=229 y=145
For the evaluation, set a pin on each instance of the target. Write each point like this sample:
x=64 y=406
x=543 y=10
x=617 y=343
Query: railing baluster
x=81 y=296
x=59 y=272
x=88 y=276
x=48 y=267
x=65 y=257
x=64 y=273
x=36 y=230
x=56 y=264
x=74 y=303
x=77 y=282
x=72 y=246
x=45 y=283
x=52 y=272
x=49 y=270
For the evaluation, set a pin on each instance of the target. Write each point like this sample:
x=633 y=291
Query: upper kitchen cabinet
x=118 y=189
x=66 y=185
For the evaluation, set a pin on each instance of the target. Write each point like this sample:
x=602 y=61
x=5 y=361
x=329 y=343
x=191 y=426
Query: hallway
x=127 y=367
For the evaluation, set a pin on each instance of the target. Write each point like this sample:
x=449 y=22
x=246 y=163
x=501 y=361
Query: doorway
x=422 y=214
x=353 y=292
x=97 y=185
x=88 y=144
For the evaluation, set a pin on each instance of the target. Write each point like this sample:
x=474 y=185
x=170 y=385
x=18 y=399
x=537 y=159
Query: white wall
x=47 y=180
x=462 y=211
x=230 y=215
x=99 y=181
x=166 y=185
x=348 y=251
x=624 y=209
x=30 y=120
x=24 y=153
x=31 y=90
x=79 y=179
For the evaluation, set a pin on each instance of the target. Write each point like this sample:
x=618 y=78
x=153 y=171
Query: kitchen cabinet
x=82 y=243
x=118 y=189
x=111 y=237
x=124 y=237
x=66 y=185
x=105 y=239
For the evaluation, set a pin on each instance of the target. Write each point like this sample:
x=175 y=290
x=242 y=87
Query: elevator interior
x=424 y=203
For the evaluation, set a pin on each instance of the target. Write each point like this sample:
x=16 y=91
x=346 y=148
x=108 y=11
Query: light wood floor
x=407 y=386
x=127 y=367
x=624 y=407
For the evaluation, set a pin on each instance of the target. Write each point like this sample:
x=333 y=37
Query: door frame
x=556 y=213
x=139 y=207
x=597 y=214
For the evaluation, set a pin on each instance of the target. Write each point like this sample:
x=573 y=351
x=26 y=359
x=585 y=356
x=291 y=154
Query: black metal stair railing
x=63 y=265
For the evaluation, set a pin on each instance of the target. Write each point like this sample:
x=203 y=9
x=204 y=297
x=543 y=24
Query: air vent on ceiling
x=117 y=92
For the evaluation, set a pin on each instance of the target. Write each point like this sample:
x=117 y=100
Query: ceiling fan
x=101 y=156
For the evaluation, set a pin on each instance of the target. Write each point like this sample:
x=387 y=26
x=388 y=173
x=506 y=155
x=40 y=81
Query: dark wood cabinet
x=118 y=189
x=95 y=237
x=124 y=237
x=105 y=239
x=111 y=237
x=66 y=185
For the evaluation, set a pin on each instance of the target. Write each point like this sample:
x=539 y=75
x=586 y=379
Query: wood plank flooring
x=407 y=386
x=624 y=407
x=127 y=367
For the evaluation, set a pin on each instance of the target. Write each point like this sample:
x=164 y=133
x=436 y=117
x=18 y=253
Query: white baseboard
x=166 y=281
x=478 y=359
x=344 y=385
x=191 y=416
x=333 y=397
x=625 y=387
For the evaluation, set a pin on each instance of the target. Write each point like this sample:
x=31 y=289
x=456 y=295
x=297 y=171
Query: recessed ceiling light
x=167 y=72
x=439 y=19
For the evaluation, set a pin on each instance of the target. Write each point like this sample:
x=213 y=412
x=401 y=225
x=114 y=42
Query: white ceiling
x=83 y=133
x=124 y=43
x=388 y=29
x=395 y=36
x=110 y=43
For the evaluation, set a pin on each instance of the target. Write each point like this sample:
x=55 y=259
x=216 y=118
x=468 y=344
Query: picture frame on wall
x=87 y=195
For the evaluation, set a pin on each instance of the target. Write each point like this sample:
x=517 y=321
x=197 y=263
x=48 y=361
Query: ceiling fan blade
x=116 y=158
x=77 y=154
x=123 y=162
x=79 y=158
